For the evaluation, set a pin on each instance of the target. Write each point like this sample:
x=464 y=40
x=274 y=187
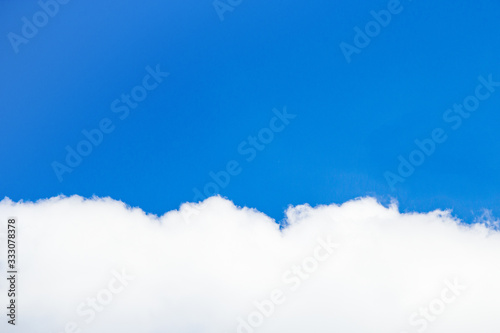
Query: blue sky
x=228 y=78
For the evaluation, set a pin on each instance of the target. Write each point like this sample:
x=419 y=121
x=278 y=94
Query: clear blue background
x=353 y=120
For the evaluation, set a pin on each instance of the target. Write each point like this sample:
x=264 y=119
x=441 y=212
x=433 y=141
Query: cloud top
x=95 y=265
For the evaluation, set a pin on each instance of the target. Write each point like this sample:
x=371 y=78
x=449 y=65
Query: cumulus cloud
x=96 y=265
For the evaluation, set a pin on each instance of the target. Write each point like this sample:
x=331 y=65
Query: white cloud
x=206 y=275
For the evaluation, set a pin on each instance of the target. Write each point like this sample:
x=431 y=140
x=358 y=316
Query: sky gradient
x=221 y=106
